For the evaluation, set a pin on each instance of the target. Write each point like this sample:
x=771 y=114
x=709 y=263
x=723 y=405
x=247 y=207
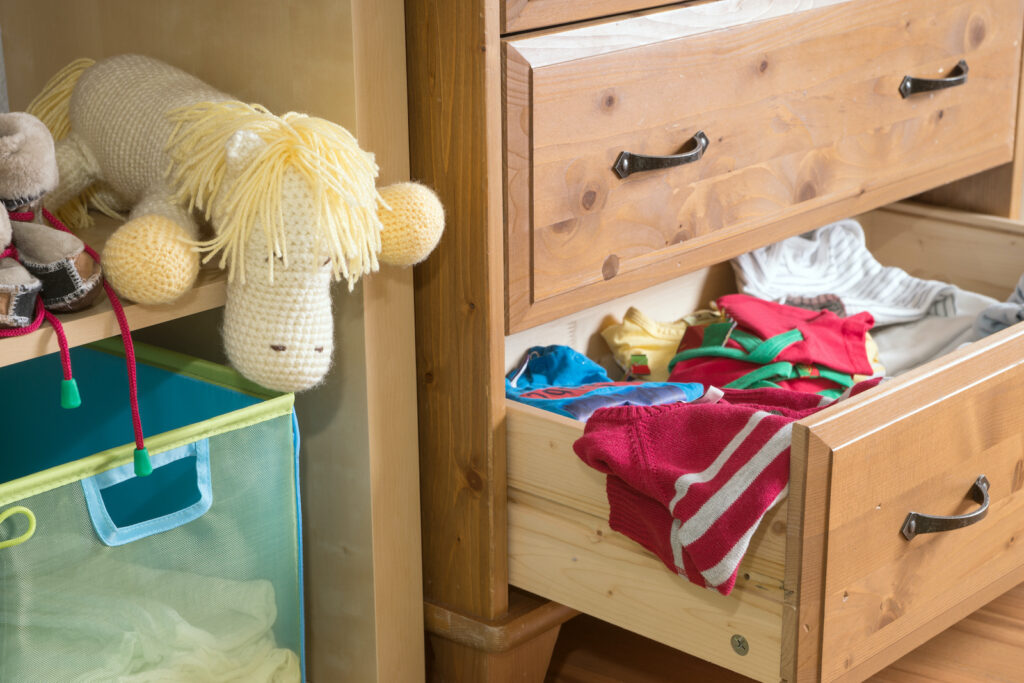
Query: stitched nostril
x=279 y=347
x=318 y=349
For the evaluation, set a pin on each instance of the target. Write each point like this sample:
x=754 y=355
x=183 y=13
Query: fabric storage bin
x=192 y=573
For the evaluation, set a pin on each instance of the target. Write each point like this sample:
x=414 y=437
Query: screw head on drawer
x=740 y=645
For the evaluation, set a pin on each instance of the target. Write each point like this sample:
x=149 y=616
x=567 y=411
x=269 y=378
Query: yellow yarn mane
x=325 y=155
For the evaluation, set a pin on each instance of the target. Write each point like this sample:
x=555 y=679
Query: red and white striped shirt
x=691 y=482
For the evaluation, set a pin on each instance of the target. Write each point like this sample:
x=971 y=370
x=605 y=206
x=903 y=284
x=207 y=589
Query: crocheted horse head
x=291 y=201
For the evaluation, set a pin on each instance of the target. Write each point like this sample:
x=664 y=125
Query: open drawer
x=830 y=588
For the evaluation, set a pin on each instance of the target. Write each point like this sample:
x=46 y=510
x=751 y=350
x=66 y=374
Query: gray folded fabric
x=1000 y=316
x=835 y=260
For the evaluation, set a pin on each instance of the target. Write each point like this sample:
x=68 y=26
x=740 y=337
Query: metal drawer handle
x=911 y=85
x=917 y=523
x=634 y=163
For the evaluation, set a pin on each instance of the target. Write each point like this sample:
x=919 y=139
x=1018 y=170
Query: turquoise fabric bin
x=192 y=573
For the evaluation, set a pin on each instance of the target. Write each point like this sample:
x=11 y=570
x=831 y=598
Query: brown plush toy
x=34 y=258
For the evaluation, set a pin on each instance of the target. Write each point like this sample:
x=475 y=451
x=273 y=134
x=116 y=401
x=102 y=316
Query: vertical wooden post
x=455 y=112
x=455 y=142
x=382 y=126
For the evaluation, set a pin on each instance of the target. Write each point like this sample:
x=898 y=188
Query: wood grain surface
x=524 y=15
x=545 y=48
x=382 y=126
x=517 y=646
x=909 y=446
x=98 y=321
x=807 y=533
x=976 y=252
x=249 y=49
x=787 y=142
x=983 y=254
x=998 y=191
x=455 y=141
x=575 y=559
x=985 y=647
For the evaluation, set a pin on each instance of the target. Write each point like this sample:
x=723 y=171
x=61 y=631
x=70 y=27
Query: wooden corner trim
x=527 y=618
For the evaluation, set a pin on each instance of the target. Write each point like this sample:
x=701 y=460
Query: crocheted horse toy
x=291 y=201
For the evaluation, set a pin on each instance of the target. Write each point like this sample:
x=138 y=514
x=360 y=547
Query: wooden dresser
x=592 y=154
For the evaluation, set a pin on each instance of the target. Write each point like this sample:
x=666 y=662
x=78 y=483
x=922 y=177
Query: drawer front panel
x=804 y=119
x=919 y=448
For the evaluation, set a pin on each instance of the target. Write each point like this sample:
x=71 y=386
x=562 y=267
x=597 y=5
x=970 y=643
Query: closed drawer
x=803 y=115
x=830 y=589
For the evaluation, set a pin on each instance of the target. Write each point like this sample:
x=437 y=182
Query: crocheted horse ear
x=241 y=149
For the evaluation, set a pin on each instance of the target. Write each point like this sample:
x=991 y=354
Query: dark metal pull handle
x=628 y=162
x=917 y=523
x=911 y=85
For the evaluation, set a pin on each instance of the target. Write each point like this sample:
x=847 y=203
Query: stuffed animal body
x=291 y=200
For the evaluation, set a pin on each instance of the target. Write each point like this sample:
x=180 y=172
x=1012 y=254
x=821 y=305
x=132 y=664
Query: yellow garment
x=876 y=364
x=638 y=334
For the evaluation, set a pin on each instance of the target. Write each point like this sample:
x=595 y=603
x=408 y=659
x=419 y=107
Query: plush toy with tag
x=291 y=201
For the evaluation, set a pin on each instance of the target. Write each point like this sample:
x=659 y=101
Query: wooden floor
x=986 y=647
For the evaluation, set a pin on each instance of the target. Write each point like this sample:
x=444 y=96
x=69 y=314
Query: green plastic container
x=192 y=573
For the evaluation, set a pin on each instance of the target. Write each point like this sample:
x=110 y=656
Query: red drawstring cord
x=41 y=313
x=142 y=463
x=69 y=391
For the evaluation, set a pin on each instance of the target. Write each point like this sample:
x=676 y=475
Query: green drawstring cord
x=763 y=353
x=18 y=540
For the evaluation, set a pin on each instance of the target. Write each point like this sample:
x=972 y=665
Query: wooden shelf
x=99 y=322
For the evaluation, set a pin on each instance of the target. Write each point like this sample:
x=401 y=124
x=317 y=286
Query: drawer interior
x=984 y=254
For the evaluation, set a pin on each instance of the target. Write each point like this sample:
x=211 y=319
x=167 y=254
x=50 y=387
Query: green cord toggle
x=143 y=467
x=69 y=397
